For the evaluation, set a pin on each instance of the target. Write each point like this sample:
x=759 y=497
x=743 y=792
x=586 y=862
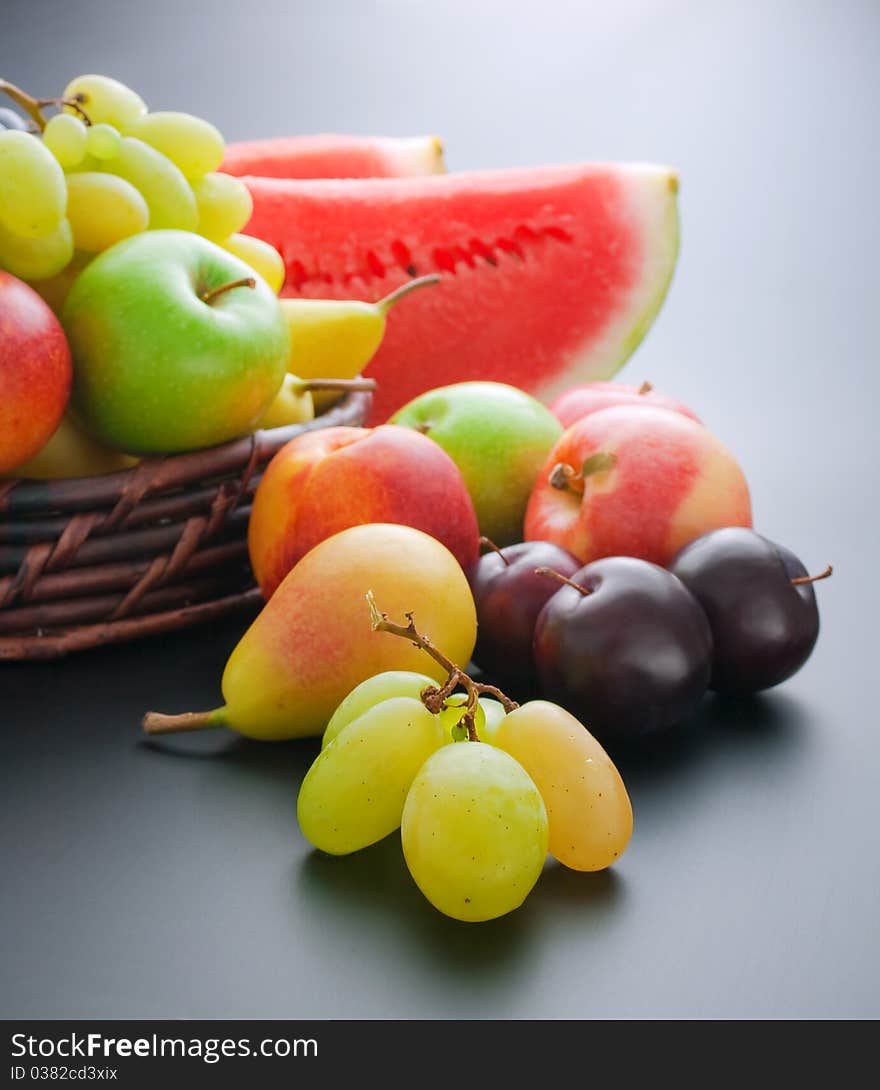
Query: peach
x=632 y=480
x=579 y=401
x=35 y=372
x=332 y=479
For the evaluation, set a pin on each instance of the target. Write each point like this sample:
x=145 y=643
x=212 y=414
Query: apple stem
x=384 y=305
x=490 y=544
x=801 y=579
x=434 y=697
x=645 y=388
x=551 y=573
x=245 y=282
x=335 y=384
x=157 y=723
x=564 y=476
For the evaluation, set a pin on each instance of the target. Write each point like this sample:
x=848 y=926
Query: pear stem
x=550 y=573
x=157 y=723
x=434 y=697
x=801 y=579
x=304 y=384
x=384 y=305
x=245 y=282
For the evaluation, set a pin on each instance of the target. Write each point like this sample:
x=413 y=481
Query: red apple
x=35 y=372
x=331 y=479
x=635 y=481
x=580 y=401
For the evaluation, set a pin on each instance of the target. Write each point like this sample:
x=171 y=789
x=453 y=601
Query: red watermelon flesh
x=330 y=156
x=549 y=275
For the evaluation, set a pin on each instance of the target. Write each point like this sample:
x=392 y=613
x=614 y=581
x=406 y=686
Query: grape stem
x=434 y=697
x=801 y=579
x=488 y=543
x=33 y=106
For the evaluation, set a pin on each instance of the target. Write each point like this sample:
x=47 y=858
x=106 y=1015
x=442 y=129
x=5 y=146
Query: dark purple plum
x=764 y=625
x=509 y=596
x=625 y=647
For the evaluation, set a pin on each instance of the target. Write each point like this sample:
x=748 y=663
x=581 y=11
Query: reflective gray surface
x=172 y=881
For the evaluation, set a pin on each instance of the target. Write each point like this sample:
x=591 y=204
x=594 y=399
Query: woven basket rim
x=90 y=561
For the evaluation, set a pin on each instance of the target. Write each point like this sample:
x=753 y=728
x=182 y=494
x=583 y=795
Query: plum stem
x=801 y=579
x=490 y=544
x=158 y=723
x=551 y=573
x=210 y=295
x=384 y=305
x=435 y=697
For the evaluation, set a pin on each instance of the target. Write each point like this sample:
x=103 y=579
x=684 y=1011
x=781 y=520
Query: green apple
x=177 y=344
x=498 y=436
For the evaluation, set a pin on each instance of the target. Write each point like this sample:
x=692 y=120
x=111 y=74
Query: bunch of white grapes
x=106 y=168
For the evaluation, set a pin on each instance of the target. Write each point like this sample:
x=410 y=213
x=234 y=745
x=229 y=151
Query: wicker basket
x=97 y=560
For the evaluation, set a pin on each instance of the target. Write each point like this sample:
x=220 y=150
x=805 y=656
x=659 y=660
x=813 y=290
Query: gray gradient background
x=143 y=883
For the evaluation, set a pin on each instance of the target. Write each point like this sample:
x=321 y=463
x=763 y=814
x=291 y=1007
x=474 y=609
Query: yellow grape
x=103 y=141
x=33 y=196
x=65 y=136
x=166 y=191
x=474 y=831
x=493 y=713
x=587 y=803
x=450 y=718
x=106 y=100
x=225 y=205
x=374 y=690
x=262 y=258
x=36 y=258
x=353 y=795
x=103 y=209
x=191 y=143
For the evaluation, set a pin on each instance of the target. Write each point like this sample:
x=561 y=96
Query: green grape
x=225 y=205
x=450 y=718
x=474 y=831
x=65 y=136
x=373 y=691
x=33 y=196
x=353 y=795
x=106 y=100
x=103 y=141
x=262 y=258
x=103 y=209
x=166 y=191
x=36 y=258
x=192 y=144
x=587 y=803
x=493 y=712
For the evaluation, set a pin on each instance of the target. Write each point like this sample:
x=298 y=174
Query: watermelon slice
x=331 y=156
x=550 y=275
